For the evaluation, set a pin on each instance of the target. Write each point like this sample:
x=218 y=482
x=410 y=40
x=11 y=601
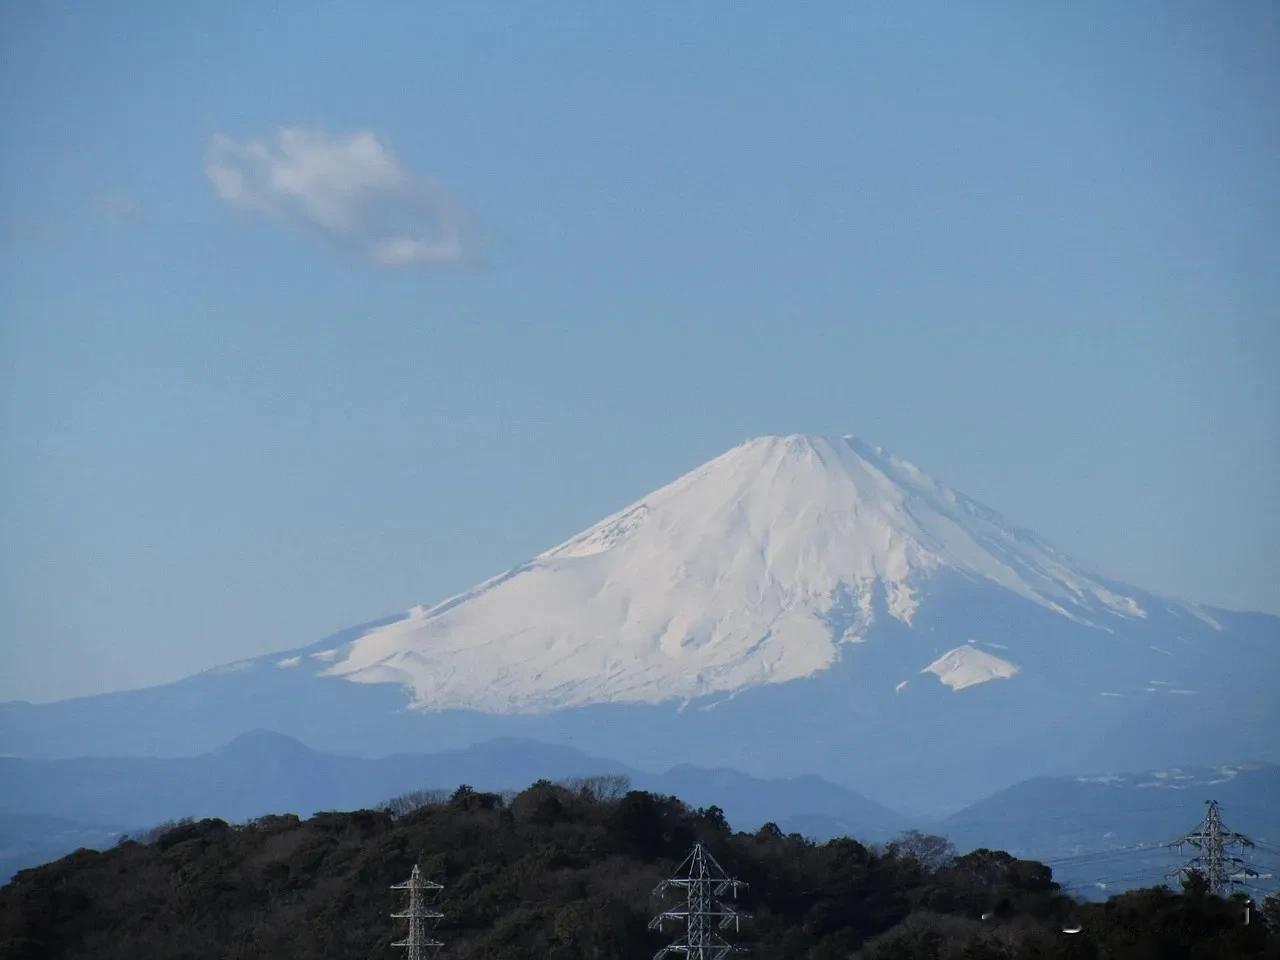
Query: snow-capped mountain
x=797 y=605
x=758 y=567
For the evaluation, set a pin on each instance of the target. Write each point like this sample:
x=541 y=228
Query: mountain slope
x=798 y=605
x=30 y=839
x=758 y=567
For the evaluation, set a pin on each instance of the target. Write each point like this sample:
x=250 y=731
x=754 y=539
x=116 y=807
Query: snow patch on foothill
x=968 y=666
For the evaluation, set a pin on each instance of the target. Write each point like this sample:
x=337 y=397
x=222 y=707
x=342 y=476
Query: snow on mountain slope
x=755 y=568
x=968 y=666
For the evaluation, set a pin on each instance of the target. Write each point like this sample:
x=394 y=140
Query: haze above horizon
x=311 y=317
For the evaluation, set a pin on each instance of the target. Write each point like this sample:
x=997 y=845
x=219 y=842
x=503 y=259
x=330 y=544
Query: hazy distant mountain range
x=263 y=772
x=1113 y=831
x=797 y=605
x=50 y=807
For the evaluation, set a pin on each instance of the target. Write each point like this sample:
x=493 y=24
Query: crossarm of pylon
x=677 y=915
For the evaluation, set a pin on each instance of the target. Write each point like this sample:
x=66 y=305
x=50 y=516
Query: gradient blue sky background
x=1032 y=247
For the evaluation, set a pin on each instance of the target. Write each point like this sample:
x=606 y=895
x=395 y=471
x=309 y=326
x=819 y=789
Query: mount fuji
x=797 y=605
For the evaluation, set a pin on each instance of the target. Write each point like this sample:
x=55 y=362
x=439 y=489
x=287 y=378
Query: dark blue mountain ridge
x=263 y=772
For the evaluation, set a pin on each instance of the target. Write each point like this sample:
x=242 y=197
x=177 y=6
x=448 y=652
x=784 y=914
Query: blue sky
x=313 y=314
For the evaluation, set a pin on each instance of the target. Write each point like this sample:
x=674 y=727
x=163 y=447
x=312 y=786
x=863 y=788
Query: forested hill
x=561 y=873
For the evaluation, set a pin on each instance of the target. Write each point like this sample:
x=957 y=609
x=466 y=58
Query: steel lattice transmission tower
x=703 y=914
x=1212 y=841
x=421 y=914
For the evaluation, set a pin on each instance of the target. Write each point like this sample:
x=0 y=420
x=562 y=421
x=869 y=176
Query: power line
x=1111 y=854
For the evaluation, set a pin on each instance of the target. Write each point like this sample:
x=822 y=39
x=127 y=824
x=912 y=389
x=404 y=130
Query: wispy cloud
x=350 y=188
x=117 y=206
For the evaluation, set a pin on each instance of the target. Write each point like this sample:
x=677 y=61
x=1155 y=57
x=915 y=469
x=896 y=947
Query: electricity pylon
x=421 y=914
x=703 y=913
x=1211 y=841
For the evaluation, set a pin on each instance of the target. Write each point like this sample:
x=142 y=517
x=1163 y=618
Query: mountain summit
x=797 y=605
x=757 y=567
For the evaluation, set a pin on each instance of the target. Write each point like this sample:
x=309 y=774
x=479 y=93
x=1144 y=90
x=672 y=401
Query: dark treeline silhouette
x=564 y=872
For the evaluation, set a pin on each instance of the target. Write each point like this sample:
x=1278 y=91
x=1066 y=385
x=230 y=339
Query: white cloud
x=349 y=188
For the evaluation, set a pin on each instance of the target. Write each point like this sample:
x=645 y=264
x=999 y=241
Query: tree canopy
x=561 y=872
